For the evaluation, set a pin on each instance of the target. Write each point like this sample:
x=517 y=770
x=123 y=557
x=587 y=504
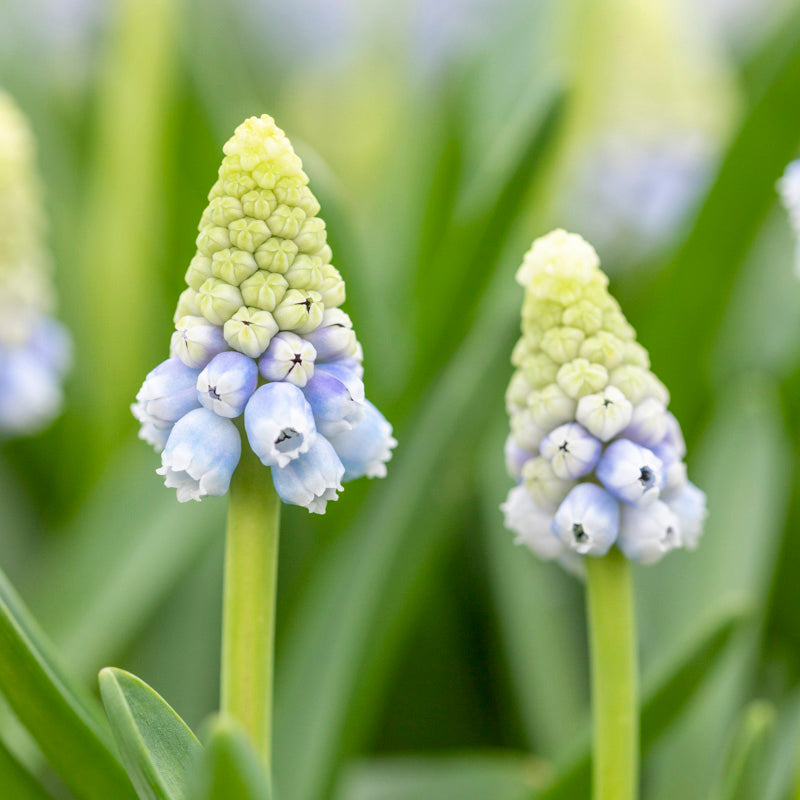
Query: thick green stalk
x=612 y=634
x=248 y=623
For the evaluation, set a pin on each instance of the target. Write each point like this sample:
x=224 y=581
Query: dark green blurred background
x=440 y=138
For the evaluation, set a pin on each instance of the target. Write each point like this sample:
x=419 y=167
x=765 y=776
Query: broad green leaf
x=229 y=768
x=124 y=215
x=663 y=702
x=155 y=744
x=745 y=466
x=465 y=776
x=782 y=772
x=744 y=773
x=101 y=580
x=691 y=295
x=63 y=718
x=15 y=780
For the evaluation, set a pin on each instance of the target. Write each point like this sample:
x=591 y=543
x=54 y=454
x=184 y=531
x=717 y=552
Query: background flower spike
x=262 y=306
x=35 y=349
x=585 y=406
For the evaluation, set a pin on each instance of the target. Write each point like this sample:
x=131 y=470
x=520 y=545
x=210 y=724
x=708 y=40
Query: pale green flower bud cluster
x=597 y=455
x=263 y=264
x=25 y=289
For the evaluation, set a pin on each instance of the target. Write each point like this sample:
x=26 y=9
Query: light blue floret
x=167 y=394
x=631 y=472
x=334 y=409
x=227 y=383
x=279 y=424
x=349 y=372
x=366 y=448
x=312 y=479
x=571 y=450
x=587 y=520
x=201 y=454
x=30 y=390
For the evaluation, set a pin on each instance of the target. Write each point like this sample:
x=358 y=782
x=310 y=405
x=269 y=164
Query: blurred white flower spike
x=261 y=347
x=789 y=188
x=35 y=349
x=595 y=453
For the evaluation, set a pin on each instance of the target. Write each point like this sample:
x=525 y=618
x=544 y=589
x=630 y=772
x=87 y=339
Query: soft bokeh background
x=420 y=654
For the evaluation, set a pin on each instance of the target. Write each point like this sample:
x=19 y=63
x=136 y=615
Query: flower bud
x=167 y=394
x=299 y=311
x=334 y=408
x=218 y=301
x=588 y=520
x=646 y=534
x=604 y=414
x=571 y=451
x=367 y=447
x=334 y=337
x=250 y=331
x=533 y=526
x=200 y=456
x=631 y=472
x=312 y=479
x=227 y=383
x=196 y=342
x=288 y=358
x=279 y=424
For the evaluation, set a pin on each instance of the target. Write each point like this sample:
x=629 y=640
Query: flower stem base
x=248 y=624
x=612 y=634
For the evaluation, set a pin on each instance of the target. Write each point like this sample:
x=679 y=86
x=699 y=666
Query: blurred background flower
x=440 y=139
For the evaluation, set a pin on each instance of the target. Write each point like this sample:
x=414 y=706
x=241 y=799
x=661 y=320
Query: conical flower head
x=34 y=348
x=263 y=264
x=260 y=315
x=587 y=411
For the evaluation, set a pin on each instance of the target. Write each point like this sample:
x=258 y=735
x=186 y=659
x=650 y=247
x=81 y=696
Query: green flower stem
x=612 y=634
x=248 y=623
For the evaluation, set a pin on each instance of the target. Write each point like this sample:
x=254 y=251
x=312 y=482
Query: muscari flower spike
x=35 y=349
x=789 y=189
x=261 y=347
x=597 y=457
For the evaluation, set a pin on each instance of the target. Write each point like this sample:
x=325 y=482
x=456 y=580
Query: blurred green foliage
x=419 y=653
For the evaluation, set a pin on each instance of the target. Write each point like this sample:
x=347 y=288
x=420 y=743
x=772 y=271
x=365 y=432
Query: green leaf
x=156 y=745
x=744 y=773
x=229 y=768
x=693 y=292
x=63 y=718
x=662 y=705
x=16 y=781
x=744 y=464
x=467 y=776
x=98 y=583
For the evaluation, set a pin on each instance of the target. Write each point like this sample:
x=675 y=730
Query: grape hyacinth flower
x=262 y=396
x=35 y=349
x=259 y=335
x=598 y=465
x=587 y=411
x=789 y=189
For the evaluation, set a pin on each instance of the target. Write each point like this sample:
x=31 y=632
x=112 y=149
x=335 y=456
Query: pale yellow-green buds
x=262 y=262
